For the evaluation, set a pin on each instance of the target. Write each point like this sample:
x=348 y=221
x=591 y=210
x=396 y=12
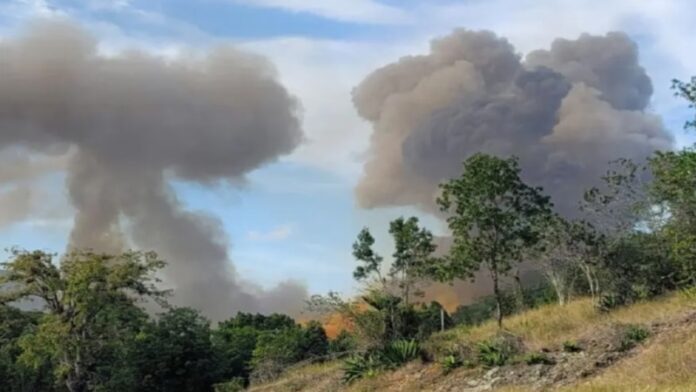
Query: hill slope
x=608 y=359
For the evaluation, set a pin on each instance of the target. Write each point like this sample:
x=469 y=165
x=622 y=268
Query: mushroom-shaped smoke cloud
x=132 y=122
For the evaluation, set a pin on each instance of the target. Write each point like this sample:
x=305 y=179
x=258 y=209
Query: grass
x=315 y=377
x=667 y=362
x=549 y=326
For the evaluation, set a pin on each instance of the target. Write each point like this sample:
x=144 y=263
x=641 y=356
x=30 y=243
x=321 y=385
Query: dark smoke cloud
x=132 y=122
x=565 y=112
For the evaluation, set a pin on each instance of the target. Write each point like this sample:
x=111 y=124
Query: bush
x=571 y=347
x=496 y=352
x=361 y=366
x=234 y=385
x=391 y=357
x=451 y=362
x=343 y=343
x=538 y=359
x=632 y=335
x=401 y=352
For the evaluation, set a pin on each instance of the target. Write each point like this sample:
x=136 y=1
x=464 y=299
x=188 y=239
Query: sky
x=297 y=218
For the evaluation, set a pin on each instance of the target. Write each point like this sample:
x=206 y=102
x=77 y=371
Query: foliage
x=485 y=308
x=400 y=352
x=277 y=349
x=451 y=362
x=344 y=342
x=237 y=384
x=491 y=214
x=686 y=90
x=91 y=315
x=633 y=335
x=538 y=359
x=15 y=376
x=175 y=353
x=413 y=251
x=370 y=363
x=570 y=346
x=361 y=366
x=496 y=351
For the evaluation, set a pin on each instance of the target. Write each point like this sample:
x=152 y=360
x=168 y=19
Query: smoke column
x=130 y=123
x=565 y=112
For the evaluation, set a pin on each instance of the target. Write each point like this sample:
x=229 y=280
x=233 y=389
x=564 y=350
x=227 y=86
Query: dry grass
x=666 y=363
x=551 y=325
x=315 y=377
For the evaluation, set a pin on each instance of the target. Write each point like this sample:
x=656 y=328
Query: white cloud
x=364 y=11
x=278 y=233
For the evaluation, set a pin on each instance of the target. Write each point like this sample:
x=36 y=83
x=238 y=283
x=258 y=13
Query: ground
x=665 y=361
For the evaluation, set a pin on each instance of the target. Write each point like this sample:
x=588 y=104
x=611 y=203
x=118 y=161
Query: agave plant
x=400 y=352
x=361 y=366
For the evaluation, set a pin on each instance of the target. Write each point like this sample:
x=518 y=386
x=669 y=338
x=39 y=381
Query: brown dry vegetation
x=665 y=362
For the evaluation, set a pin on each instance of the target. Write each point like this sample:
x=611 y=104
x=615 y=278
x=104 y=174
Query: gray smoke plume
x=131 y=123
x=565 y=112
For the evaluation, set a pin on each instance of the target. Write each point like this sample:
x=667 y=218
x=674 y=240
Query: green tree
x=315 y=343
x=389 y=295
x=413 y=253
x=16 y=376
x=175 y=354
x=674 y=187
x=235 y=340
x=90 y=312
x=490 y=214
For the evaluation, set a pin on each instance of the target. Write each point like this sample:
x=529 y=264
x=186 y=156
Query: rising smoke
x=565 y=112
x=132 y=122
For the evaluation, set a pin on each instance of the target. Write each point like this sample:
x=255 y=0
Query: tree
x=413 y=249
x=411 y=258
x=236 y=338
x=674 y=187
x=15 y=376
x=554 y=253
x=686 y=90
x=175 y=354
x=413 y=252
x=91 y=313
x=491 y=214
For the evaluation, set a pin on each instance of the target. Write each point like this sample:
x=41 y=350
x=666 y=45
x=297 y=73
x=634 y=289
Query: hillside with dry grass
x=583 y=349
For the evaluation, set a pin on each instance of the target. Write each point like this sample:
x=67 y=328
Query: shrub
x=496 y=352
x=538 y=359
x=234 y=385
x=633 y=334
x=401 y=352
x=451 y=362
x=571 y=347
x=369 y=364
x=361 y=366
x=343 y=343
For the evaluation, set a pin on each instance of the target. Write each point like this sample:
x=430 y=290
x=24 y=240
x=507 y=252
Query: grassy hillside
x=665 y=361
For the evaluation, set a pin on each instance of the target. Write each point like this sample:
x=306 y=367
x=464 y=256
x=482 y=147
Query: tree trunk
x=498 y=299
x=520 y=292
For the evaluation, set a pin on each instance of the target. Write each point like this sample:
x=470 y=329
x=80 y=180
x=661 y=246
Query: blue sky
x=296 y=218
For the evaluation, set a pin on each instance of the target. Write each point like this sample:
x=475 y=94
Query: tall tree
x=175 y=354
x=413 y=251
x=91 y=313
x=490 y=214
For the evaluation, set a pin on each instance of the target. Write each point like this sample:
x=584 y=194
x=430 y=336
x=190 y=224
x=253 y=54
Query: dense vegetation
x=632 y=238
x=93 y=336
